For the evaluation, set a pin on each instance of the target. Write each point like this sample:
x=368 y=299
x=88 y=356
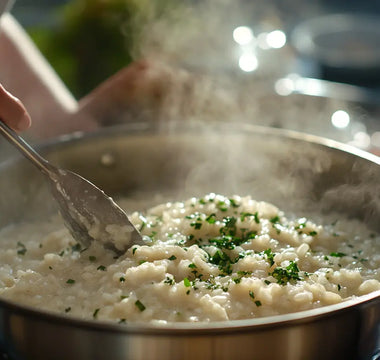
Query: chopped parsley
x=270 y=256
x=337 y=254
x=229 y=227
x=92 y=258
x=222 y=205
x=101 y=268
x=140 y=305
x=186 y=282
x=196 y=225
x=76 y=248
x=275 y=220
x=173 y=257
x=95 y=314
x=256 y=216
x=234 y=203
x=211 y=219
x=70 y=281
x=21 y=251
x=301 y=224
x=223 y=261
x=283 y=275
x=252 y=296
x=21 y=248
x=169 y=280
x=152 y=235
x=122 y=279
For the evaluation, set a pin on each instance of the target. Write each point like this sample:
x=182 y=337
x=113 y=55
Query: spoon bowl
x=88 y=213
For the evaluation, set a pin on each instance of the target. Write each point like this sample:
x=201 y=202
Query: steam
x=193 y=72
x=191 y=77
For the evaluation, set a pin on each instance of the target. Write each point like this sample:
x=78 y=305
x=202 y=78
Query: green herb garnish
x=95 y=314
x=270 y=256
x=211 y=219
x=76 y=247
x=337 y=254
x=140 y=305
x=169 y=281
x=287 y=274
x=275 y=220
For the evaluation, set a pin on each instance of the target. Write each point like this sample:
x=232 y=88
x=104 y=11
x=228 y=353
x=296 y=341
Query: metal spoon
x=88 y=213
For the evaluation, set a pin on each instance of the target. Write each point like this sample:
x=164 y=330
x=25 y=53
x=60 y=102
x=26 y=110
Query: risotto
x=206 y=259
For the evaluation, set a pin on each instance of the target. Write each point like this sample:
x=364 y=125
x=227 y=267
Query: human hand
x=143 y=89
x=13 y=112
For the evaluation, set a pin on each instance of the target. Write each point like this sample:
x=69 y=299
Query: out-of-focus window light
x=340 y=119
x=262 y=41
x=248 y=62
x=375 y=139
x=243 y=35
x=276 y=39
x=361 y=140
x=284 y=87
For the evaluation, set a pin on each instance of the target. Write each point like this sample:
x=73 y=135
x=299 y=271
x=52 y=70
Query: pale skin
x=25 y=73
x=13 y=112
x=146 y=89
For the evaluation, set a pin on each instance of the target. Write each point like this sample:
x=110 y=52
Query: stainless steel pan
x=299 y=173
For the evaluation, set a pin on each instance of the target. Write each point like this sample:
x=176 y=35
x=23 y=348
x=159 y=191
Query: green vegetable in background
x=93 y=39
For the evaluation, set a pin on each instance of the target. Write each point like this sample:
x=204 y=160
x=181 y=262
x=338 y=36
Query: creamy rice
x=206 y=259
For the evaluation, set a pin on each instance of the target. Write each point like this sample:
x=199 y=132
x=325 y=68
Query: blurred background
x=311 y=66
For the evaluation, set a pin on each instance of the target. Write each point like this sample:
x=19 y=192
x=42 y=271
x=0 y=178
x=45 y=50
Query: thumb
x=13 y=112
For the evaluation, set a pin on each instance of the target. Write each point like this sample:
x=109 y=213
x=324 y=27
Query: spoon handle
x=24 y=148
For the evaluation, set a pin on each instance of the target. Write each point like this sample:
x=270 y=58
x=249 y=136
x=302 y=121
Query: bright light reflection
x=248 y=62
x=243 y=35
x=276 y=39
x=361 y=140
x=284 y=87
x=340 y=119
x=375 y=139
x=262 y=41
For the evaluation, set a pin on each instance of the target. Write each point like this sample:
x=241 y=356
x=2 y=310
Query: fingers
x=13 y=112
